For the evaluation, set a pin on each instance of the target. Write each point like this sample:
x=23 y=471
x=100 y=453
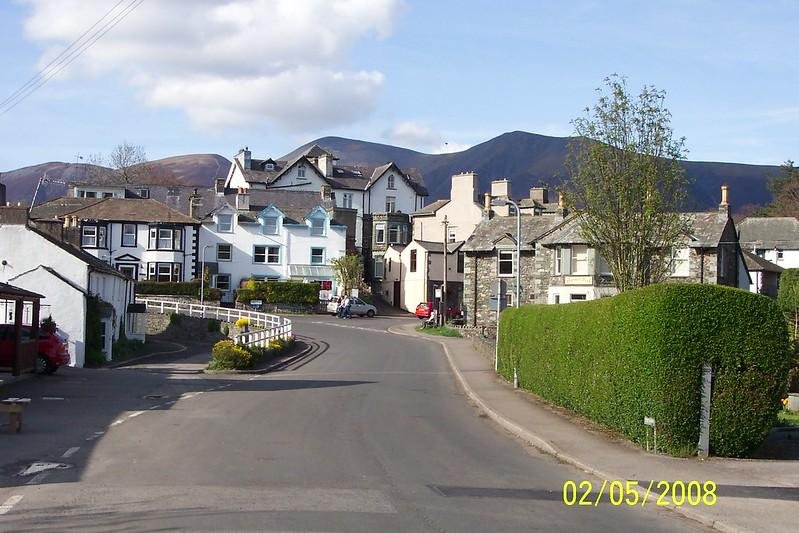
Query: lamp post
x=202 y=276
x=508 y=201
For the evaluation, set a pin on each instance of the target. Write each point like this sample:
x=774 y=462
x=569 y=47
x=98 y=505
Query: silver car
x=357 y=307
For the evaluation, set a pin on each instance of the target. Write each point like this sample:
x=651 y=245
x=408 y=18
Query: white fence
x=265 y=327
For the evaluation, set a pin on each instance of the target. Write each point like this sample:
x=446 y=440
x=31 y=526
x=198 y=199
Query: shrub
x=279 y=292
x=174 y=319
x=227 y=355
x=226 y=330
x=242 y=322
x=213 y=325
x=640 y=353
x=175 y=288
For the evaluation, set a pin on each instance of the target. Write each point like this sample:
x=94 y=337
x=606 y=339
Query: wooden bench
x=14 y=408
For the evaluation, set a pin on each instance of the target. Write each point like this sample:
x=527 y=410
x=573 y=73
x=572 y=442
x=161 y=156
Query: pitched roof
x=756 y=263
x=296 y=205
x=769 y=232
x=113 y=209
x=93 y=263
x=431 y=208
x=11 y=290
x=488 y=232
x=57 y=208
x=438 y=247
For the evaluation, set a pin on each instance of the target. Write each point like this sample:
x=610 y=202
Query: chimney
x=66 y=221
x=561 y=211
x=724 y=206
x=195 y=202
x=464 y=187
x=539 y=194
x=487 y=212
x=73 y=221
x=245 y=158
x=220 y=185
x=500 y=188
x=325 y=164
x=2 y=194
x=242 y=199
x=327 y=193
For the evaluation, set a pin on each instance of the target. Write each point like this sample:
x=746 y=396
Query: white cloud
x=230 y=62
x=409 y=134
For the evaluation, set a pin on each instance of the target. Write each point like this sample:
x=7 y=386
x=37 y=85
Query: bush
x=174 y=319
x=226 y=330
x=279 y=292
x=181 y=288
x=227 y=355
x=213 y=325
x=640 y=353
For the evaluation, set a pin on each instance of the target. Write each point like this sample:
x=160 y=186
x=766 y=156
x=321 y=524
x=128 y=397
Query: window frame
x=155 y=239
x=135 y=234
x=346 y=200
x=413 y=261
x=229 y=246
x=676 y=262
x=582 y=262
x=318 y=231
x=321 y=256
x=219 y=225
x=460 y=262
x=391 y=185
x=391 y=204
x=266 y=253
x=397 y=228
x=265 y=225
x=216 y=278
x=508 y=258
x=380 y=228
x=100 y=236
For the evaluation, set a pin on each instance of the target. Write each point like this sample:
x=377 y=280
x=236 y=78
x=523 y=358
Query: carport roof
x=15 y=293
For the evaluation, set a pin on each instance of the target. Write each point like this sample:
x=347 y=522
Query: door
x=396 y=300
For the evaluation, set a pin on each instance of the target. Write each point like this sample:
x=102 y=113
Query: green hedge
x=616 y=360
x=279 y=292
x=176 y=288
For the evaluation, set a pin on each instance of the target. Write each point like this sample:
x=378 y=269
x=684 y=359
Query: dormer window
x=224 y=223
x=317 y=226
x=301 y=171
x=270 y=166
x=270 y=225
x=391 y=181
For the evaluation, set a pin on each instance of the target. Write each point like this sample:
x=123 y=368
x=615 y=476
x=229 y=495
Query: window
x=389 y=265
x=603 y=268
x=378 y=267
x=301 y=171
x=143 y=193
x=380 y=233
x=166 y=238
x=391 y=204
x=505 y=260
x=558 y=260
x=576 y=297
x=779 y=254
x=224 y=252
x=557 y=298
x=317 y=226
x=128 y=235
x=93 y=237
x=266 y=254
x=90 y=194
x=760 y=252
x=224 y=223
x=108 y=195
x=164 y=271
x=317 y=256
x=394 y=234
x=390 y=182
x=346 y=200
x=509 y=299
x=451 y=234
x=579 y=264
x=461 y=262
x=679 y=262
x=270 y=225
x=222 y=282
x=413 y=260
x=270 y=166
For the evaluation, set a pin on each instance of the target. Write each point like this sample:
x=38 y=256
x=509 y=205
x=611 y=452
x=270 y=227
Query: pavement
x=752 y=495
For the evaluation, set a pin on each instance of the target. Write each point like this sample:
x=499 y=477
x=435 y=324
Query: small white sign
x=256 y=302
x=649 y=421
x=438 y=293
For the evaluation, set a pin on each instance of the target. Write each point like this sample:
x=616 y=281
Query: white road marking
x=51 y=398
x=38 y=467
x=348 y=327
x=10 y=503
x=134 y=415
x=70 y=452
x=38 y=478
x=116 y=422
x=95 y=435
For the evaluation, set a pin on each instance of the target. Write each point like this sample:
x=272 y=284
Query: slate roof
x=431 y=208
x=755 y=263
x=113 y=209
x=296 y=205
x=438 y=247
x=488 y=232
x=10 y=290
x=94 y=263
x=769 y=232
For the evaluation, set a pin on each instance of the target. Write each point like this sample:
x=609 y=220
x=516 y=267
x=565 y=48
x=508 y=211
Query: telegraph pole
x=443 y=314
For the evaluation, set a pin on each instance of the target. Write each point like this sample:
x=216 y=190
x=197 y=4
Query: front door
x=396 y=300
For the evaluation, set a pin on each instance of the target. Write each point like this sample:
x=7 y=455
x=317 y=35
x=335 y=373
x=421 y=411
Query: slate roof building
x=775 y=239
x=765 y=275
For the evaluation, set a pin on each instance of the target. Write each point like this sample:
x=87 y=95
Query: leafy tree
x=788 y=298
x=785 y=189
x=348 y=270
x=627 y=182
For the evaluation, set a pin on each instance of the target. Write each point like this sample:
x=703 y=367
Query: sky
x=211 y=76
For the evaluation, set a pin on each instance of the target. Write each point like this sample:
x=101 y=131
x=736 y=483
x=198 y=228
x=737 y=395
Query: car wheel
x=42 y=364
x=370 y=313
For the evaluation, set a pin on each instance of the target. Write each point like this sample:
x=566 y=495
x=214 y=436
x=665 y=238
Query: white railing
x=265 y=326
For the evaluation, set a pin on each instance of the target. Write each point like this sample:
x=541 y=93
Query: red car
x=424 y=309
x=53 y=350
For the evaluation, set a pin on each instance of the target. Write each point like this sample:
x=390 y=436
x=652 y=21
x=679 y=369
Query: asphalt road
x=369 y=432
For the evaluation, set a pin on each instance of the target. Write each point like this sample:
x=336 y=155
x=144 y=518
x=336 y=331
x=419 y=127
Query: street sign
x=649 y=421
x=438 y=292
x=255 y=303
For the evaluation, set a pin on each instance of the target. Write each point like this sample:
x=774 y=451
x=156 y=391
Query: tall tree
x=348 y=270
x=627 y=183
x=785 y=189
x=129 y=161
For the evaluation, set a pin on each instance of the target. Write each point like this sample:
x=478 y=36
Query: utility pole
x=443 y=314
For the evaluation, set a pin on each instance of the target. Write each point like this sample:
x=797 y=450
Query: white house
x=775 y=239
x=69 y=278
x=271 y=235
x=367 y=190
x=143 y=238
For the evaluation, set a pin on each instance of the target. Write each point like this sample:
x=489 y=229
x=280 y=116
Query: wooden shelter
x=19 y=339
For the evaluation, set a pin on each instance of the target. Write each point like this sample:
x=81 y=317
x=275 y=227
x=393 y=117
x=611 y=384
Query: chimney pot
x=724 y=206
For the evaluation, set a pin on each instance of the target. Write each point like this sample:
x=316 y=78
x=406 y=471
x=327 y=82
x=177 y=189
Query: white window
x=509 y=299
x=505 y=263
x=301 y=171
x=379 y=267
x=558 y=260
x=679 y=262
x=224 y=223
x=166 y=238
x=266 y=254
x=346 y=200
x=391 y=204
x=602 y=268
x=222 y=282
x=224 y=252
x=380 y=233
x=390 y=182
x=128 y=235
x=451 y=234
x=317 y=226
x=164 y=271
x=270 y=166
x=270 y=225
x=317 y=256
x=89 y=237
x=579 y=260
x=143 y=193
x=395 y=233
x=779 y=254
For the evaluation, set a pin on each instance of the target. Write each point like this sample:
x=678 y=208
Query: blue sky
x=415 y=74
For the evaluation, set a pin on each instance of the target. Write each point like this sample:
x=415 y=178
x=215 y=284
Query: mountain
x=526 y=159
x=194 y=169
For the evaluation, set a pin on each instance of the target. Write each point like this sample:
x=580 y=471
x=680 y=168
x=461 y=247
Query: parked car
x=53 y=349
x=358 y=307
x=424 y=309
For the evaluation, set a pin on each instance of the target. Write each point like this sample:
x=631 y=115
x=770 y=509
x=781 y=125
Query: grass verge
x=787 y=418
